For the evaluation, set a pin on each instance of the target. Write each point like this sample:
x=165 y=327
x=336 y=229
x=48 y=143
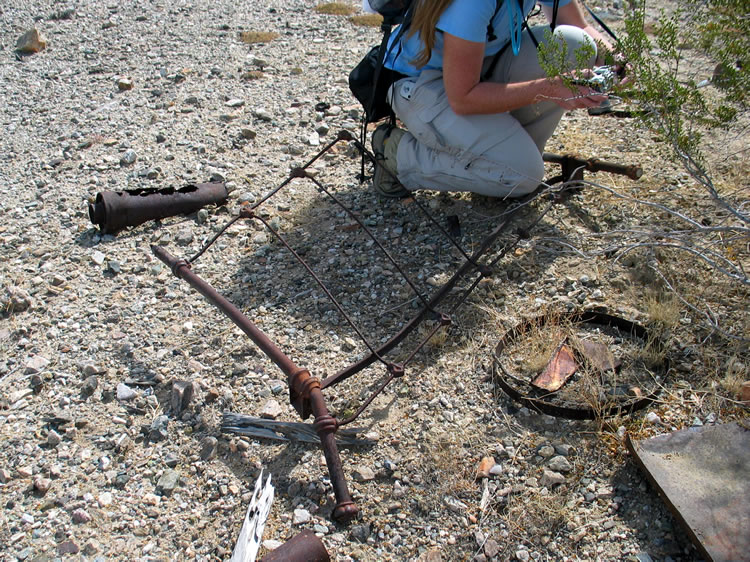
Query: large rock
x=31 y=42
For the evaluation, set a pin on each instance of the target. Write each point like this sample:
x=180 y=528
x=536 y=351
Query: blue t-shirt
x=467 y=19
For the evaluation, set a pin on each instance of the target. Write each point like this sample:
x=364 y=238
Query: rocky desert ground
x=115 y=375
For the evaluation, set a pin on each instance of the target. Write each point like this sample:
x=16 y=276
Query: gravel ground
x=98 y=462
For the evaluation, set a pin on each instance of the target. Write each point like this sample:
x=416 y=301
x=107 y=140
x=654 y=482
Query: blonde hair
x=424 y=21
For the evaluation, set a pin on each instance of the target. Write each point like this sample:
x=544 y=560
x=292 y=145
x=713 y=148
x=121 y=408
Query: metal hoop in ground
x=628 y=379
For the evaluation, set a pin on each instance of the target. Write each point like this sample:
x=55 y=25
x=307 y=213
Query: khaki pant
x=499 y=155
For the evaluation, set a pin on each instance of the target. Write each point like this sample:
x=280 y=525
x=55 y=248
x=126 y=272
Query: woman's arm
x=462 y=67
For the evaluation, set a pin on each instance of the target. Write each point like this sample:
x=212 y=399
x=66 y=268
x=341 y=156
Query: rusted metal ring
x=179 y=264
x=303 y=383
x=327 y=424
x=501 y=376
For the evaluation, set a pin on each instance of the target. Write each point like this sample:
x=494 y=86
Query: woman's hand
x=571 y=97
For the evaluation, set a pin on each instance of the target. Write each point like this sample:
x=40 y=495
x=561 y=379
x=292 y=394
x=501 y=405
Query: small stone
x=263 y=114
x=125 y=393
x=653 y=418
x=209 y=448
x=31 y=42
x=168 y=482
x=5 y=476
x=158 y=429
x=90 y=385
x=301 y=516
x=35 y=364
x=360 y=533
x=42 y=485
x=98 y=257
x=80 y=516
x=565 y=450
x=129 y=157
x=522 y=555
x=271 y=410
x=105 y=499
x=20 y=395
x=432 y=555
x=123 y=443
x=15 y=300
x=92 y=547
x=53 y=438
x=363 y=474
x=235 y=102
x=184 y=237
x=182 y=394
x=271 y=544
x=485 y=465
x=124 y=84
x=551 y=478
x=491 y=548
x=560 y=464
x=68 y=547
x=546 y=451
x=248 y=134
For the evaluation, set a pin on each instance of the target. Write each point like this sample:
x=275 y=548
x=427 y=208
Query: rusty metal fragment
x=598 y=356
x=112 y=211
x=304 y=547
x=559 y=369
x=701 y=473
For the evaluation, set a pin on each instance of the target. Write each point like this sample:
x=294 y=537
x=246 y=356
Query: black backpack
x=369 y=80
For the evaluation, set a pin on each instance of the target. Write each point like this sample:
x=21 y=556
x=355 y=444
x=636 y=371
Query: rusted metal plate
x=703 y=475
x=558 y=370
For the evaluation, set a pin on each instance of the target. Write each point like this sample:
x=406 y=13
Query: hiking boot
x=385 y=141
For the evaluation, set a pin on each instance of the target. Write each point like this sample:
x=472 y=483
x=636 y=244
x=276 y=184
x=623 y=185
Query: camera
x=602 y=80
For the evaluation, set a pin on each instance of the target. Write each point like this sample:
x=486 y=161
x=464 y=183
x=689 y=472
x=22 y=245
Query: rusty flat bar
x=304 y=390
x=703 y=476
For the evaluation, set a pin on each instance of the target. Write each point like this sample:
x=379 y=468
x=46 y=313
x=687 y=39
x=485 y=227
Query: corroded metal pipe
x=304 y=390
x=304 y=547
x=114 y=210
x=572 y=167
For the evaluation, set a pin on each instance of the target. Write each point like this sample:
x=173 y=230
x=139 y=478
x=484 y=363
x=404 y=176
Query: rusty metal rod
x=304 y=389
x=570 y=163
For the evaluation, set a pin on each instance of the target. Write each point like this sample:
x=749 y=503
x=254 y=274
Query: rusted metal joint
x=301 y=385
x=445 y=319
x=247 y=212
x=345 y=135
x=485 y=270
x=396 y=370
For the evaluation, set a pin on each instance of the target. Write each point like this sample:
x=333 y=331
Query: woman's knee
x=578 y=45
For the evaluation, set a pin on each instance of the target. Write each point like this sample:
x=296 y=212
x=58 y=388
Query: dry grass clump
x=252 y=75
x=335 y=9
x=367 y=20
x=251 y=37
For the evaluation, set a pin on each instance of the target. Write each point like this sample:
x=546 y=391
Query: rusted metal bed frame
x=305 y=390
